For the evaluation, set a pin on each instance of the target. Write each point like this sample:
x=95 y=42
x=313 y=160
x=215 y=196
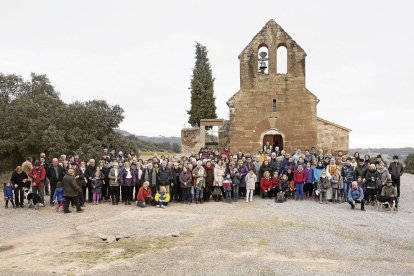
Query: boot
x=201 y=201
x=113 y=201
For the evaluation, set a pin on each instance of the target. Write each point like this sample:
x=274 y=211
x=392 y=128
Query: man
x=361 y=169
x=164 y=176
x=81 y=181
x=55 y=175
x=38 y=175
x=89 y=174
x=70 y=191
x=396 y=171
x=388 y=194
x=150 y=176
x=348 y=175
x=356 y=195
x=177 y=192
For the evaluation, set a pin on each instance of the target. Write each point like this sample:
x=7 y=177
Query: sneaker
x=41 y=205
x=163 y=207
x=158 y=206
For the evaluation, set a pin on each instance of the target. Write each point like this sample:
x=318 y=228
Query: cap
x=389 y=180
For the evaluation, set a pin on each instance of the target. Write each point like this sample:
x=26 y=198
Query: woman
x=186 y=180
x=266 y=185
x=209 y=181
x=219 y=171
x=114 y=180
x=371 y=177
x=19 y=179
x=127 y=183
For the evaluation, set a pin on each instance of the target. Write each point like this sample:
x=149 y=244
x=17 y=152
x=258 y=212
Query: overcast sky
x=140 y=55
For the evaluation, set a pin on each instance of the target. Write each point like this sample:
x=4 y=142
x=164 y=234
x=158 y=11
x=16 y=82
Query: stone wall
x=251 y=112
x=332 y=137
x=190 y=140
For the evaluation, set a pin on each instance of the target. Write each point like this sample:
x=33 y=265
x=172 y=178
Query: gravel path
x=259 y=238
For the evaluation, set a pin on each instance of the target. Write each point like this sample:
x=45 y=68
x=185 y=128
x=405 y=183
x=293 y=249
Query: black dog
x=33 y=199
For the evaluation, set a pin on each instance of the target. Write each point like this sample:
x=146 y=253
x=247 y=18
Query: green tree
x=409 y=163
x=203 y=104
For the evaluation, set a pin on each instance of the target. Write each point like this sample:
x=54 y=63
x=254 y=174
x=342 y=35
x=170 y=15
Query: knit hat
x=37 y=163
x=389 y=180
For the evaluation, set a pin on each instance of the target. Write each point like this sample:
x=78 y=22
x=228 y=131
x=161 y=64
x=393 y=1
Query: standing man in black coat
x=89 y=174
x=396 y=170
x=55 y=174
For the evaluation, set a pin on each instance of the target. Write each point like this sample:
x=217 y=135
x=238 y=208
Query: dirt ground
x=258 y=238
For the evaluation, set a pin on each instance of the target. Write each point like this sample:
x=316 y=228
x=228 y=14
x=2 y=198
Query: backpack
x=280 y=197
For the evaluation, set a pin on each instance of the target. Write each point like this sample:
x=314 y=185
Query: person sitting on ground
x=356 y=195
x=266 y=185
x=162 y=197
x=144 y=197
x=388 y=194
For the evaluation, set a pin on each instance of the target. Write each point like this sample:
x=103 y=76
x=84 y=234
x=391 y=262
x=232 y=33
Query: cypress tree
x=203 y=102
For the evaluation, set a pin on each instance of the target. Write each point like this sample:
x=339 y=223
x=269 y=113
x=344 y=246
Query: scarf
x=153 y=181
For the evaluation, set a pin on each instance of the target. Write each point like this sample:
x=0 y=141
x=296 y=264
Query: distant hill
x=386 y=153
x=159 y=139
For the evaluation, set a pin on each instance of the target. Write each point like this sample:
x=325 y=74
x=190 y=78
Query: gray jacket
x=396 y=170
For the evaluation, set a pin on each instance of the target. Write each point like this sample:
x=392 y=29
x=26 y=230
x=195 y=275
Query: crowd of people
x=208 y=175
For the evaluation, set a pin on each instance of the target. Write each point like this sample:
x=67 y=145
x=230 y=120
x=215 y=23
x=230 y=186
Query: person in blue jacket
x=58 y=196
x=356 y=195
x=8 y=194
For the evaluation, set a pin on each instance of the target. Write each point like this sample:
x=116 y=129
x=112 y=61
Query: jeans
x=41 y=191
x=186 y=195
x=299 y=190
x=362 y=201
x=396 y=184
x=198 y=194
x=148 y=202
x=52 y=190
x=322 y=196
x=228 y=195
x=347 y=185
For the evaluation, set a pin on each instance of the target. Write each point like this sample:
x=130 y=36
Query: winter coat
x=97 y=183
x=383 y=175
x=389 y=191
x=324 y=184
x=89 y=173
x=356 y=194
x=218 y=175
x=265 y=168
x=284 y=185
x=199 y=175
x=186 y=177
x=58 y=195
x=309 y=175
x=209 y=176
x=127 y=181
x=335 y=181
x=348 y=174
x=176 y=177
x=245 y=170
x=51 y=174
x=17 y=179
x=38 y=177
x=114 y=180
x=143 y=194
x=360 y=171
x=299 y=176
x=250 y=180
x=80 y=178
x=164 y=176
x=235 y=175
x=266 y=183
x=371 y=179
x=70 y=188
x=317 y=171
x=150 y=176
x=396 y=170
x=165 y=197
x=8 y=192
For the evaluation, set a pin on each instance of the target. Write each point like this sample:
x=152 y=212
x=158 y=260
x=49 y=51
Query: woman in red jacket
x=144 y=197
x=300 y=178
x=267 y=185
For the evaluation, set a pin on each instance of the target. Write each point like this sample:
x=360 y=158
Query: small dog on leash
x=33 y=199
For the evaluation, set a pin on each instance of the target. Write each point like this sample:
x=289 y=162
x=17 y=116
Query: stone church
x=273 y=104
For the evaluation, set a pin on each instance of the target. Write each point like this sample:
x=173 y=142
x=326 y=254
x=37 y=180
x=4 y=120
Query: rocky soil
x=258 y=238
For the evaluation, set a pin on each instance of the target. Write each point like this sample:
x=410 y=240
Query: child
x=250 y=179
x=58 y=196
x=335 y=181
x=285 y=185
x=8 y=195
x=162 y=197
x=97 y=183
x=323 y=186
x=227 y=186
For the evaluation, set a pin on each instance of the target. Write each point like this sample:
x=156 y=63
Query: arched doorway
x=274 y=138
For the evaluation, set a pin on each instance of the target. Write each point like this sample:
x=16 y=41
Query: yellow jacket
x=166 y=197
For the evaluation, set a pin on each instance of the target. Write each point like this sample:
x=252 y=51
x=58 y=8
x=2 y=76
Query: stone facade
x=332 y=137
x=274 y=105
